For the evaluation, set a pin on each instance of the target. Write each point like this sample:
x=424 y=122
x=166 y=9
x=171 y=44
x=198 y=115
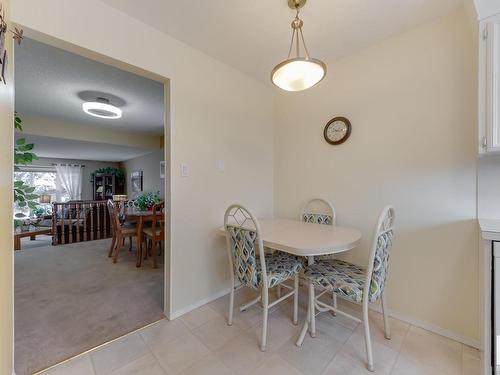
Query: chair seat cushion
x=129 y=232
x=280 y=267
x=129 y=225
x=344 y=278
x=149 y=232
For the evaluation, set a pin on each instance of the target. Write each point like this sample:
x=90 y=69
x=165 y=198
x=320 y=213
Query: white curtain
x=69 y=178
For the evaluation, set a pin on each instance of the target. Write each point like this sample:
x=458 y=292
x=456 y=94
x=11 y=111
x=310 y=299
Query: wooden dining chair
x=120 y=232
x=354 y=283
x=255 y=269
x=155 y=234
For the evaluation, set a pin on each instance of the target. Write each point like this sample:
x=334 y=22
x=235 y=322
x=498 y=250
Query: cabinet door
x=490 y=34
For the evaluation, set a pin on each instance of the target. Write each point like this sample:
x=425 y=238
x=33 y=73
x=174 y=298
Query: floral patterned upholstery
x=317 y=218
x=247 y=267
x=347 y=279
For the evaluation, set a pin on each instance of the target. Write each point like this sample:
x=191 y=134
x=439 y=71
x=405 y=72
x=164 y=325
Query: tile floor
x=200 y=342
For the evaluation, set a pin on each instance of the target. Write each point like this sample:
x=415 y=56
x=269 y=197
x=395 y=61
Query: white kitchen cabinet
x=489 y=85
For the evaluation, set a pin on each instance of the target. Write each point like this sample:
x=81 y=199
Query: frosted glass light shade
x=298 y=74
x=102 y=110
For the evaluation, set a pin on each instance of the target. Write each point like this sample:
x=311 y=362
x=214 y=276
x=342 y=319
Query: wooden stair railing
x=80 y=221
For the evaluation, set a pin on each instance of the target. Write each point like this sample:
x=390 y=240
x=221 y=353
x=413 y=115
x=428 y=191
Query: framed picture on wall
x=162 y=169
x=136 y=181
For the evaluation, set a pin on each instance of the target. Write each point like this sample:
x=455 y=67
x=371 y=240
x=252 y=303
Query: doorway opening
x=83 y=278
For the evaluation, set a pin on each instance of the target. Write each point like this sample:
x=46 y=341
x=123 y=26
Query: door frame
x=90 y=54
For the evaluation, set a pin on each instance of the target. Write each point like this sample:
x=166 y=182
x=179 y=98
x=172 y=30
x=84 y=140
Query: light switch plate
x=184 y=170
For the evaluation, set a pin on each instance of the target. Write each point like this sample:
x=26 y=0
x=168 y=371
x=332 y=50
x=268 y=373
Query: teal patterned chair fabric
x=247 y=266
x=317 y=218
x=347 y=279
x=243 y=245
x=318 y=211
x=253 y=268
x=279 y=267
x=355 y=283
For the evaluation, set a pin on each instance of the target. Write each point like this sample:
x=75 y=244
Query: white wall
x=488 y=188
x=90 y=167
x=6 y=204
x=216 y=113
x=411 y=100
x=150 y=166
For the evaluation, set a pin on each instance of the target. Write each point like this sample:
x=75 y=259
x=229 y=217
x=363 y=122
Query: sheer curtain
x=69 y=178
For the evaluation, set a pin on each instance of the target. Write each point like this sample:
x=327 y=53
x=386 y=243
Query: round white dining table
x=306 y=240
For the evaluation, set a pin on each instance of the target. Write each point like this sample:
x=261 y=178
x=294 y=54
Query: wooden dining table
x=306 y=240
x=135 y=215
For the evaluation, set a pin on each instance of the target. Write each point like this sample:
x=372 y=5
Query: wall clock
x=337 y=130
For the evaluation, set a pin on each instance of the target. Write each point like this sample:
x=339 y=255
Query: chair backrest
x=378 y=266
x=113 y=216
x=159 y=218
x=318 y=211
x=245 y=247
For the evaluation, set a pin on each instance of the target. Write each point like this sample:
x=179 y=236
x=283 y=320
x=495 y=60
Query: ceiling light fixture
x=102 y=109
x=298 y=73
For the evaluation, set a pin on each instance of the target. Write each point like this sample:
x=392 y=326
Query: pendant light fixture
x=298 y=73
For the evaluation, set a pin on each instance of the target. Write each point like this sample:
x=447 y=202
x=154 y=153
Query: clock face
x=337 y=130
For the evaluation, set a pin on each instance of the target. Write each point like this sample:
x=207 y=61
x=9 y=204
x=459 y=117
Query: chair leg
x=138 y=261
x=112 y=247
x=231 y=306
x=146 y=250
x=296 y=299
x=119 y=246
x=334 y=301
x=313 y=309
x=385 y=311
x=130 y=244
x=265 y=301
x=368 y=340
x=155 y=252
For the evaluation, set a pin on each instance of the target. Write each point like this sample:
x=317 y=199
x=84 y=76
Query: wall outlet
x=184 y=170
x=221 y=165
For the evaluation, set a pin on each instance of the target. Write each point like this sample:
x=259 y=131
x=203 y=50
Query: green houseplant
x=146 y=201
x=117 y=172
x=24 y=195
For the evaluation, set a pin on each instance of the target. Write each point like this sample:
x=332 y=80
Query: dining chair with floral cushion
x=154 y=235
x=120 y=232
x=318 y=211
x=252 y=268
x=354 y=283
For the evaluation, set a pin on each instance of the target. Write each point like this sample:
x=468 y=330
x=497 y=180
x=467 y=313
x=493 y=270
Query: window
x=44 y=181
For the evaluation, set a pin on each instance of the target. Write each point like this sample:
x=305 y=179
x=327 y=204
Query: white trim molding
x=430 y=327
x=395 y=314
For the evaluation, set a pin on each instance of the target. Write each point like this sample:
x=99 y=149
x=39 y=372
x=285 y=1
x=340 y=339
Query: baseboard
x=430 y=327
x=395 y=314
x=178 y=313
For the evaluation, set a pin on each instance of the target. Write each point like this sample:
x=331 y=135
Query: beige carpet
x=71 y=298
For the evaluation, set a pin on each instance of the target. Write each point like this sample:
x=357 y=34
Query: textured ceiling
x=253 y=36
x=49 y=83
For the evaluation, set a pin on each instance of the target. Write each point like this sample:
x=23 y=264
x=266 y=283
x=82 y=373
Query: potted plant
x=146 y=201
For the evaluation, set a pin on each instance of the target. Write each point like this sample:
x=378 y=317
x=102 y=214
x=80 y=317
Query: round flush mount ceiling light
x=102 y=109
x=298 y=73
